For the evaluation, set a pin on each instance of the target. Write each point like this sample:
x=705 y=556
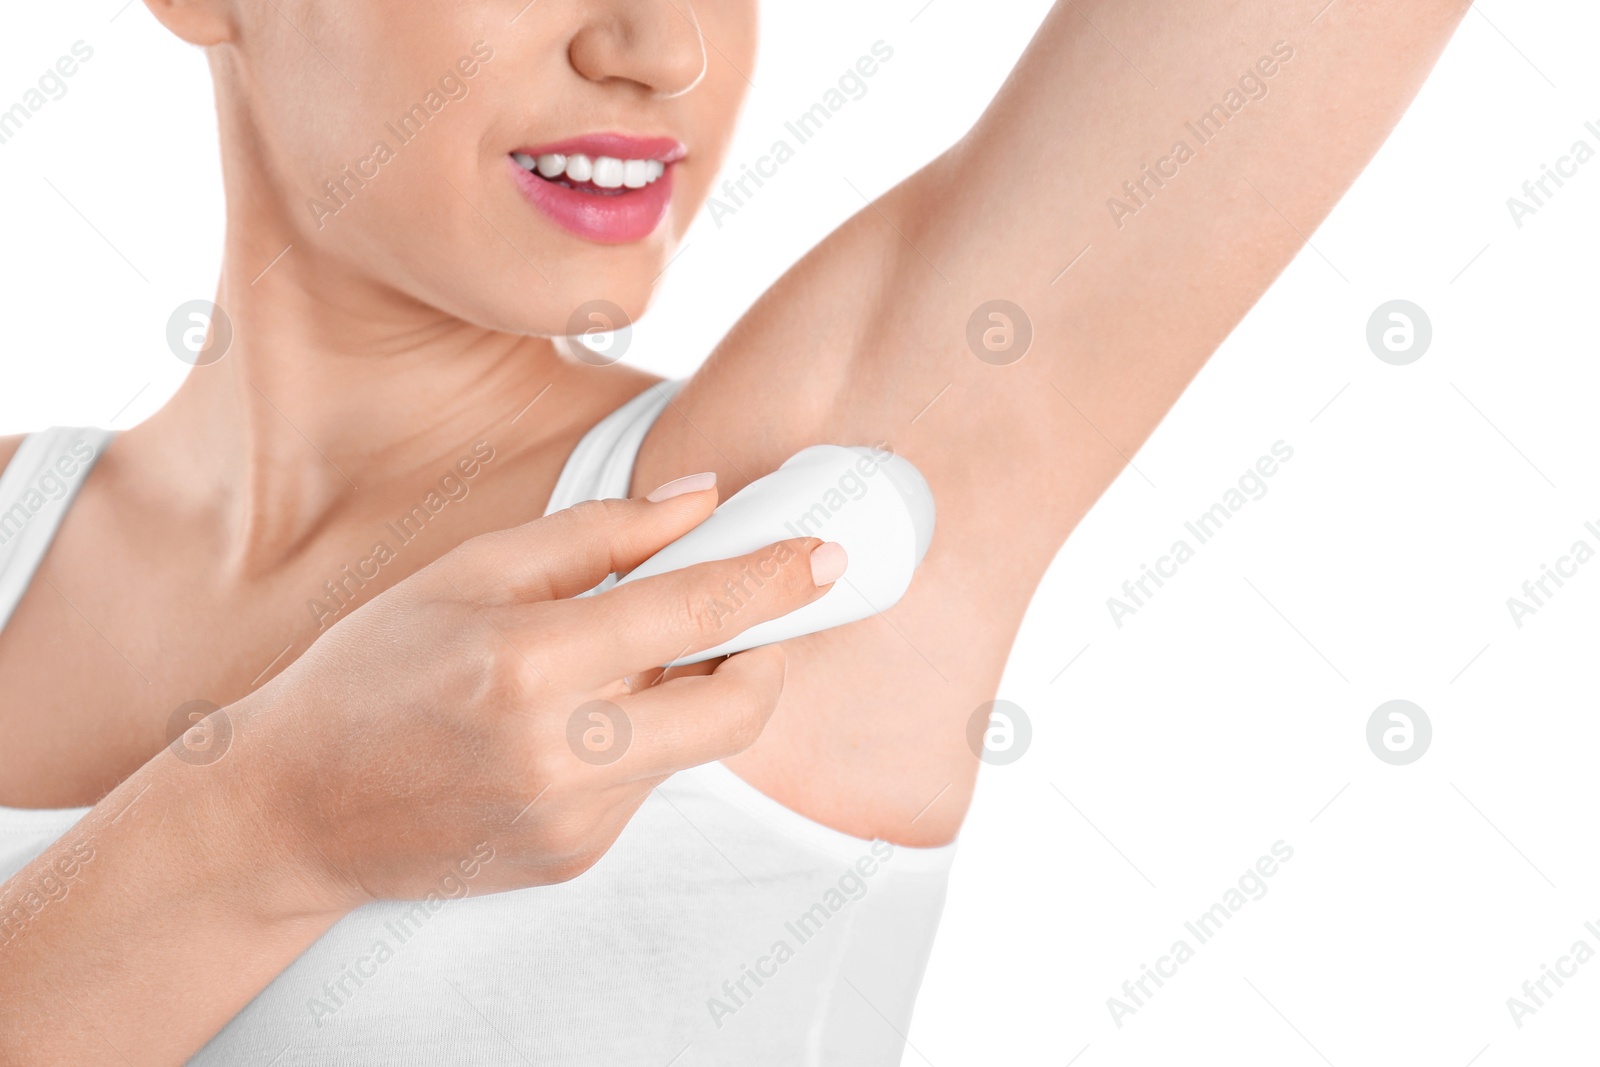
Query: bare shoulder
x=8 y=448
x=775 y=383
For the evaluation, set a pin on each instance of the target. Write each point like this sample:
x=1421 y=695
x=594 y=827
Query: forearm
x=150 y=924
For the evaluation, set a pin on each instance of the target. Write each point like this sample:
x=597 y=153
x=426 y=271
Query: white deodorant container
x=869 y=500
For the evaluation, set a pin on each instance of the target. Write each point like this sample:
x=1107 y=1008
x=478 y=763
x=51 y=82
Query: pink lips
x=617 y=216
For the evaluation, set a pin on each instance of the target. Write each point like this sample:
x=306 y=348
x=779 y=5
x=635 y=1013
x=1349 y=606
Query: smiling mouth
x=595 y=175
x=606 y=187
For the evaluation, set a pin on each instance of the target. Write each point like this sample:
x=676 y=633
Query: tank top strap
x=601 y=465
x=36 y=488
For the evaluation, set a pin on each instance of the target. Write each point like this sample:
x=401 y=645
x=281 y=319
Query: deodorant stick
x=871 y=501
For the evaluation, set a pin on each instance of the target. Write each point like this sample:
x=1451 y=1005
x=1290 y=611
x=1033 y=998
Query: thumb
x=572 y=550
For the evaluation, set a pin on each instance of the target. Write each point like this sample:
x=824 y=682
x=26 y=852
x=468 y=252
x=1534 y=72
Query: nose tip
x=682 y=71
x=654 y=44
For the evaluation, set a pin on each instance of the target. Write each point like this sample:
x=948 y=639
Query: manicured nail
x=678 y=486
x=828 y=562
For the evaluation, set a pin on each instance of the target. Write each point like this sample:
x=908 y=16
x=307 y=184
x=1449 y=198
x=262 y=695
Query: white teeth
x=607 y=172
x=579 y=169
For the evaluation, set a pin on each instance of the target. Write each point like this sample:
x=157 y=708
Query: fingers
x=564 y=554
x=655 y=620
x=656 y=675
x=688 y=720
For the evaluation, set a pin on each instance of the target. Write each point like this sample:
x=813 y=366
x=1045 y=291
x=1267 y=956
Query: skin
x=373 y=353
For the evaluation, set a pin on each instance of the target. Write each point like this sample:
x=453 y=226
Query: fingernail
x=678 y=486
x=828 y=562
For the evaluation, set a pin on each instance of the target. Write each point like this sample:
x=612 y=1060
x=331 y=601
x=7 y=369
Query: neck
x=332 y=389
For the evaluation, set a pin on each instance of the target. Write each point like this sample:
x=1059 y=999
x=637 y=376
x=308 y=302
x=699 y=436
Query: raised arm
x=1147 y=170
x=1252 y=117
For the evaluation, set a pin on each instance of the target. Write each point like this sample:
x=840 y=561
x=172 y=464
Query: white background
x=1230 y=712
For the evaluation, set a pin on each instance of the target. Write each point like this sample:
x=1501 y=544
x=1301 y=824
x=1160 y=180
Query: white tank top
x=721 y=928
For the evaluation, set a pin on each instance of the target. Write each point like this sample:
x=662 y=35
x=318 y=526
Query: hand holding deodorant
x=869 y=500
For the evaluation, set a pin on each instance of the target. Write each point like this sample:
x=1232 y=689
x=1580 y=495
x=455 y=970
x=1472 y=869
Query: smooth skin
x=416 y=322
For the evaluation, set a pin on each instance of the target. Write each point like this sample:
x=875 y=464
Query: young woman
x=383 y=848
